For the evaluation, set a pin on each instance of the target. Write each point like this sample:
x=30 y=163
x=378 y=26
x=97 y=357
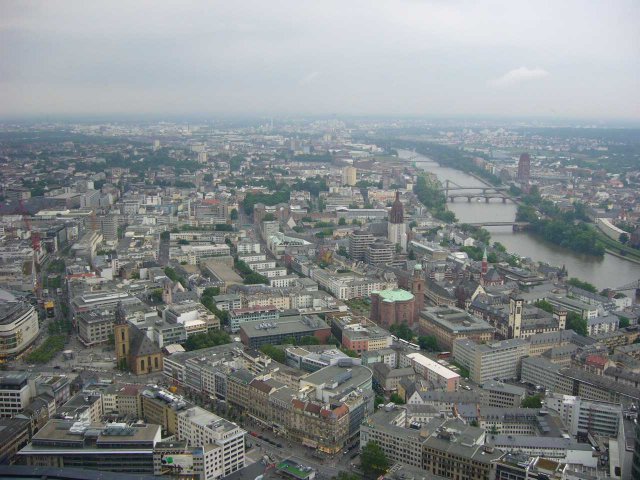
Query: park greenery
x=533 y=401
x=281 y=195
x=275 y=353
x=206 y=340
x=49 y=349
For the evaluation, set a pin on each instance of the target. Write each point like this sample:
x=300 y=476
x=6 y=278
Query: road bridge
x=517 y=226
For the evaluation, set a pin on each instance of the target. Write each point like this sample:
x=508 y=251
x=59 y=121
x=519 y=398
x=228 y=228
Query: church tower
x=397 y=230
x=515 y=317
x=417 y=288
x=485 y=263
x=167 y=292
x=121 y=335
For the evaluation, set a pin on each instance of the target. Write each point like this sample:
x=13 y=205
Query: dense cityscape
x=300 y=298
x=337 y=240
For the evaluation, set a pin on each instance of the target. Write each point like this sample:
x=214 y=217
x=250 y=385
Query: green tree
x=342 y=221
x=397 y=399
x=206 y=340
x=402 y=331
x=269 y=217
x=428 y=342
x=275 y=353
x=576 y=323
x=373 y=460
x=624 y=322
x=544 y=305
x=576 y=282
x=233 y=215
x=533 y=401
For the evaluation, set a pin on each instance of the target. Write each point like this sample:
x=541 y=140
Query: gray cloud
x=357 y=57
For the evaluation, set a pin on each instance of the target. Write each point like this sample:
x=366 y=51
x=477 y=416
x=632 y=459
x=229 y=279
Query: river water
x=609 y=271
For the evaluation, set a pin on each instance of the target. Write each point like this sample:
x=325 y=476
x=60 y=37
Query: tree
x=233 y=215
x=576 y=323
x=624 y=322
x=397 y=399
x=275 y=353
x=373 y=460
x=544 y=305
x=624 y=238
x=342 y=221
x=402 y=331
x=269 y=217
x=533 y=401
x=156 y=295
x=576 y=282
x=206 y=340
x=428 y=342
x=412 y=255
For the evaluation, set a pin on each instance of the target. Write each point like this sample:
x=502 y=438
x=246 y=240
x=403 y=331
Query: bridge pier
x=469 y=199
x=486 y=199
x=504 y=199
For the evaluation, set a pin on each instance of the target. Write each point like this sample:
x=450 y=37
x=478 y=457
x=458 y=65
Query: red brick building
x=393 y=307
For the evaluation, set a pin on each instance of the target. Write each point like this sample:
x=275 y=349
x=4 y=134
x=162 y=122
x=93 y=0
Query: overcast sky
x=559 y=58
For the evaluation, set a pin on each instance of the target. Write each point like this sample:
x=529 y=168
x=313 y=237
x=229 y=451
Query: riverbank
x=605 y=272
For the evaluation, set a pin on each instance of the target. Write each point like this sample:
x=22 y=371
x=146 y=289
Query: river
x=609 y=271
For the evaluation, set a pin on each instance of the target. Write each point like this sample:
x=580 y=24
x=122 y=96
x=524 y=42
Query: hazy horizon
x=544 y=60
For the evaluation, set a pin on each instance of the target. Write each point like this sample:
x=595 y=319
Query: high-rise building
x=358 y=243
x=379 y=252
x=349 y=176
x=397 y=230
x=524 y=168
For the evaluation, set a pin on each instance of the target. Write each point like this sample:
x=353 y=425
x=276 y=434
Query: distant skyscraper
x=524 y=168
x=397 y=230
x=349 y=176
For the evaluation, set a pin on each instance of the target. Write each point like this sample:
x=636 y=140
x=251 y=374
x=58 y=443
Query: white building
x=221 y=441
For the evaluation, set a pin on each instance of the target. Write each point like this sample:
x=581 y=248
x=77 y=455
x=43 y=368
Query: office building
x=449 y=324
x=439 y=375
x=524 y=168
x=257 y=333
x=584 y=417
x=349 y=176
x=15 y=393
x=114 y=447
x=447 y=448
x=359 y=241
x=503 y=395
x=379 y=252
x=19 y=328
x=491 y=361
x=221 y=441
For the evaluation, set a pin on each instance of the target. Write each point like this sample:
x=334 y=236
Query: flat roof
x=283 y=326
x=433 y=366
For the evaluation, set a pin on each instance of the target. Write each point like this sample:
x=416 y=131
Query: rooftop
x=394 y=295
